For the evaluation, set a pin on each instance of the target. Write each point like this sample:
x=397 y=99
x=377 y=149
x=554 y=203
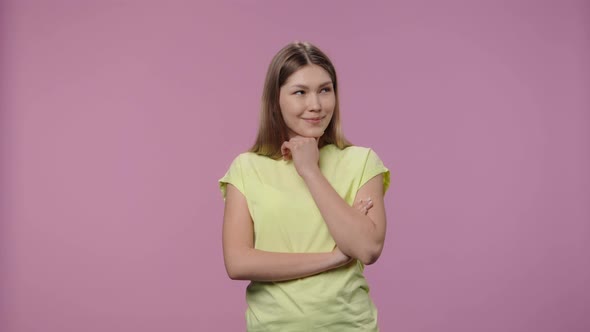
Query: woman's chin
x=315 y=133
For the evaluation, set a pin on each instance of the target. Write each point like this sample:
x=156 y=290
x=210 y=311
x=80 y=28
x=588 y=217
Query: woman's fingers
x=364 y=205
x=368 y=205
x=285 y=150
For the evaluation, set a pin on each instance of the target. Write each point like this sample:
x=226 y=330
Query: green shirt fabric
x=286 y=219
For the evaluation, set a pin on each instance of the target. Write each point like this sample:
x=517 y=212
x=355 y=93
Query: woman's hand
x=363 y=205
x=340 y=258
x=304 y=152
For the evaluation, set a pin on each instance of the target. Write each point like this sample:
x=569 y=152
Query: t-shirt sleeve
x=373 y=167
x=233 y=176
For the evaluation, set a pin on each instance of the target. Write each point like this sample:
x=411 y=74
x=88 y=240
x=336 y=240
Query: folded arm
x=358 y=235
x=243 y=262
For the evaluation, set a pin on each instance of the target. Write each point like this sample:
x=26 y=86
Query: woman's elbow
x=235 y=270
x=371 y=260
x=234 y=273
x=235 y=276
x=236 y=263
x=371 y=255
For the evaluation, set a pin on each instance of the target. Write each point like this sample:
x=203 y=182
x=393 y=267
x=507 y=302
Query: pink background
x=119 y=117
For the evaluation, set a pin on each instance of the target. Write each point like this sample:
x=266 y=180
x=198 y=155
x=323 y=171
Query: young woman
x=304 y=208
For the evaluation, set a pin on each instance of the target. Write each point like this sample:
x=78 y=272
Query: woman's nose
x=314 y=102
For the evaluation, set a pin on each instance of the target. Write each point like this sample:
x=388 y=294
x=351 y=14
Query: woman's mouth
x=314 y=120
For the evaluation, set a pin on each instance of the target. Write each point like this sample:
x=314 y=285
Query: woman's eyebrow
x=305 y=86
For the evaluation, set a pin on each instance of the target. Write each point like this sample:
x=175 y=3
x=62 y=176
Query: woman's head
x=300 y=86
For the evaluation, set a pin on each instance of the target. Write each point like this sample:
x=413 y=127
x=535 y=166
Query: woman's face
x=307 y=101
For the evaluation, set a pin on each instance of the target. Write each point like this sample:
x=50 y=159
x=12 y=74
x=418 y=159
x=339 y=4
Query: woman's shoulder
x=354 y=154
x=351 y=151
x=357 y=149
x=246 y=155
x=248 y=160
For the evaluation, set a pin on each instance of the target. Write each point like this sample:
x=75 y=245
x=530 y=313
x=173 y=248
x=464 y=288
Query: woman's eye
x=298 y=92
x=326 y=90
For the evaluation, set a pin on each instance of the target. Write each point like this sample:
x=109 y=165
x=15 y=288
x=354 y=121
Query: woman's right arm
x=243 y=262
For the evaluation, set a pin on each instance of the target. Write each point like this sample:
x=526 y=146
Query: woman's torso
x=286 y=219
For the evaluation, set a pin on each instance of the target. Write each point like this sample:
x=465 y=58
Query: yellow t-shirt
x=286 y=219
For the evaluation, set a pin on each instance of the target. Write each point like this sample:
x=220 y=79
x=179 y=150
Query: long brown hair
x=273 y=131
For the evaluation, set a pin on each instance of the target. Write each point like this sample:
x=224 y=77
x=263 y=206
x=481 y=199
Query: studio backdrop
x=119 y=117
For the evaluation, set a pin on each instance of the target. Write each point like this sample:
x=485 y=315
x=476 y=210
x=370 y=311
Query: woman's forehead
x=309 y=75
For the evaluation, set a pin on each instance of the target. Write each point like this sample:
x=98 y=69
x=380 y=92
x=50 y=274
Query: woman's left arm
x=357 y=235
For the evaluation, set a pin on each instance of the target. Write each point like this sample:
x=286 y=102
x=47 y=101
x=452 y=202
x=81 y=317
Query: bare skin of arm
x=244 y=262
x=358 y=235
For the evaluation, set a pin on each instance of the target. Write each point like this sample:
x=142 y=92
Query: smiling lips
x=313 y=120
